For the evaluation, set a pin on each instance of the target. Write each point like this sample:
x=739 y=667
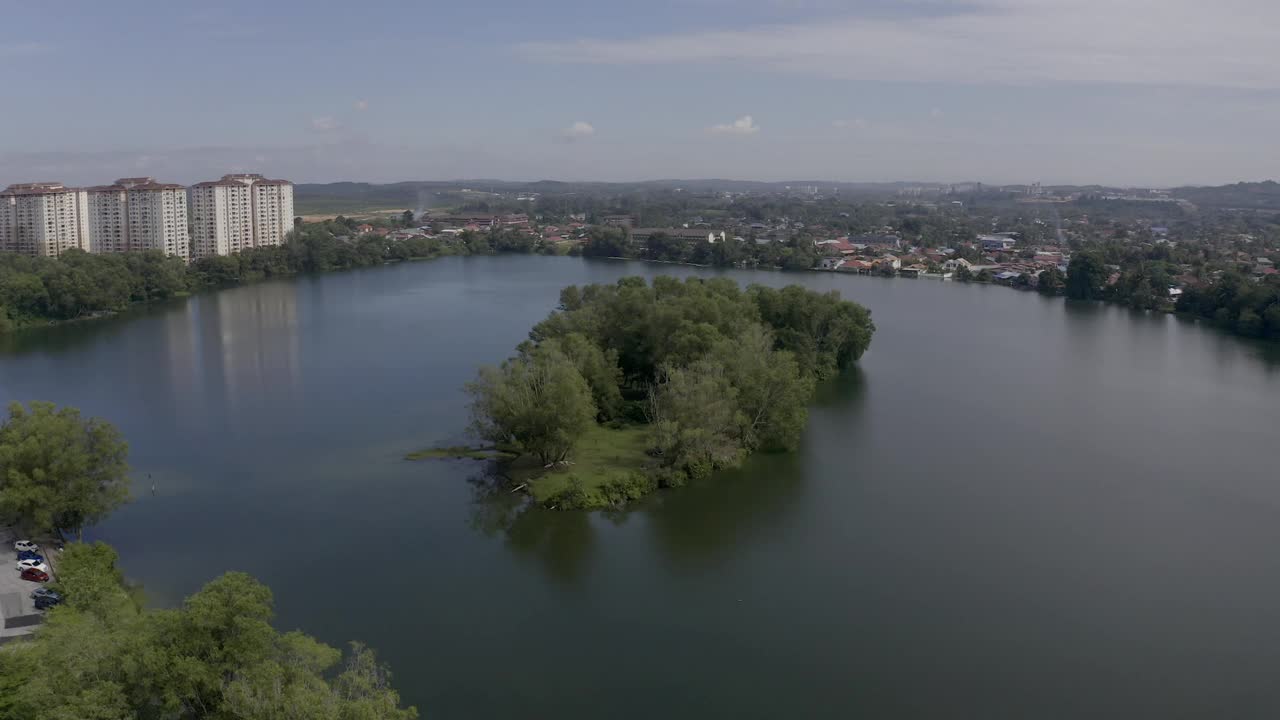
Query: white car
x=24 y=564
x=25 y=546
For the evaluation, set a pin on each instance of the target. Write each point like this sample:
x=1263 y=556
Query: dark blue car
x=29 y=555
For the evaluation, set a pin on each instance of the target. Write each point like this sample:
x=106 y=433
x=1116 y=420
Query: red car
x=35 y=575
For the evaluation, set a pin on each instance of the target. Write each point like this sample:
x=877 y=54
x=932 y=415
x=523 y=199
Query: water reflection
x=561 y=542
x=68 y=336
x=700 y=525
x=690 y=527
x=246 y=348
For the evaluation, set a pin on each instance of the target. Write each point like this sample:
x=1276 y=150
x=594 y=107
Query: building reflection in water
x=235 y=354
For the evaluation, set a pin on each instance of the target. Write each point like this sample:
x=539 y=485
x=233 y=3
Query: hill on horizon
x=360 y=197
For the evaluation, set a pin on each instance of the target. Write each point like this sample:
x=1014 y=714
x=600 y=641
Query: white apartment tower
x=44 y=219
x=108 y=208
x=239 y=212
x=157 y=216
x=136 y=214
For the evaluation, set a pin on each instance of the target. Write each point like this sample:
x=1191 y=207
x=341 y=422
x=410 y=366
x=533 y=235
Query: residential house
x=997 y=242
x=892 y=241
x=840 y=246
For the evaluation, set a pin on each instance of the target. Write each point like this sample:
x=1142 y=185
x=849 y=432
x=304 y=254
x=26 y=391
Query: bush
x=573 y=497
x=633 y=486
x=669 y=477
x=700 y=469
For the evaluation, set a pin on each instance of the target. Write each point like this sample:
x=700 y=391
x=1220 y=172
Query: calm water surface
x=1017 y=507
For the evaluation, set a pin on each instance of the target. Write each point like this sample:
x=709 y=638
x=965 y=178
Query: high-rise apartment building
x=44 y=219
x=136 y=214
x=133 y=214
x=157 y=216
x=239 y=212
x=108 y=209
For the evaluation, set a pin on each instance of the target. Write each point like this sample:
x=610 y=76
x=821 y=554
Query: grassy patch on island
x=602 y=456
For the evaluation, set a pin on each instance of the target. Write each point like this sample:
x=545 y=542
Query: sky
x=1119 y=92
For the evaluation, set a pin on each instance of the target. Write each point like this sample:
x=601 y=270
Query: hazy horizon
x=1126 y=93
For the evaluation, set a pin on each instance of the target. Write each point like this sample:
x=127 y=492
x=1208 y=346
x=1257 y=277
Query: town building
x=44 y=219
x=997 y=241
x=641 y=235
x=136 y=214
x=239 y=212
x=108 y=208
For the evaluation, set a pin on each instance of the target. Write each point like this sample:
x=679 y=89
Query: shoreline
x=18 y=329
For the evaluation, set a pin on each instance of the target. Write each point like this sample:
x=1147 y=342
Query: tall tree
x=1086 y=276
x=696 y=419
x=772 y=392
x=58 y=470
x=537 y=401
x=1051 y=281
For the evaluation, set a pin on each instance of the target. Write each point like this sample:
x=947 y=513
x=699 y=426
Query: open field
x=355 y=214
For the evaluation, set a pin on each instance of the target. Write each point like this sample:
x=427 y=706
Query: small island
x=632 y=387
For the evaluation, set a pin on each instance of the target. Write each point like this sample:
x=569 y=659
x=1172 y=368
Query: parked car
x=38 y=565
x=35 y=575
x=45 y=603
x=25 y=546
x=30 y=555
x=44 y=592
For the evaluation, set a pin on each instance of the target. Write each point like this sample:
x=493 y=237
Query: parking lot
x=18 y=611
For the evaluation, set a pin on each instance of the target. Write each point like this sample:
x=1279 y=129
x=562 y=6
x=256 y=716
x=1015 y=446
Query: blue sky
x=1144 y=92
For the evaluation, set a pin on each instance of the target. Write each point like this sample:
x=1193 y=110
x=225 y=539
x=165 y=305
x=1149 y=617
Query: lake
x=1015 y=507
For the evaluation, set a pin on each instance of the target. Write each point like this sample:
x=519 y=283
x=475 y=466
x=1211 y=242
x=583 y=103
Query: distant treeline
x=1237 y=304
x=796 y=254
x=36 y=290
x=1228 y=299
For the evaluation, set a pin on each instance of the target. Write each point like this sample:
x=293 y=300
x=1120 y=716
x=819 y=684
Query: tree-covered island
x=631 y=387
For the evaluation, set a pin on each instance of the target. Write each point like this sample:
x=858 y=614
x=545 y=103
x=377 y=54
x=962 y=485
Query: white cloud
x=578 y=130
x=1228 y=43
x=361 y=105
x=325 y=123
x=744 y=125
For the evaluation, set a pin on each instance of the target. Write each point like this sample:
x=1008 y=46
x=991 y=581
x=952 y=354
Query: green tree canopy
x=696 y=419
x=1086 y=276
x=1052 y=281
x=717 y=371
x=98 y=656
x=537 y=401
x=58 y=470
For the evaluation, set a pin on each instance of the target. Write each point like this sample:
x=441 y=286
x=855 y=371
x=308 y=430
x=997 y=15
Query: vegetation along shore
x=101 y=654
